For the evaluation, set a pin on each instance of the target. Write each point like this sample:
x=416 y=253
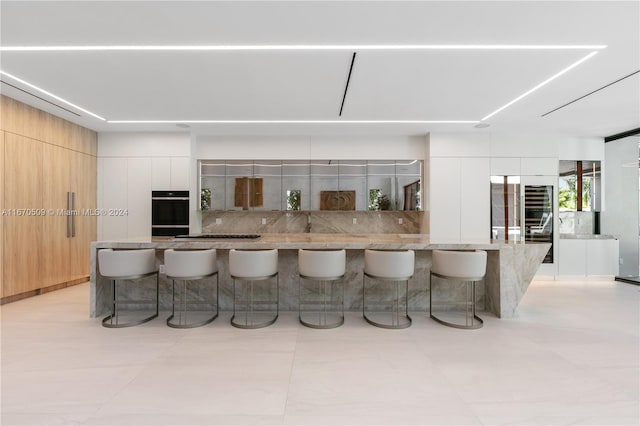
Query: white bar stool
x=386 y=265
x=190 y=265
x=118 y=265
x=461 y=266
x=326 y=267
x=251 y=266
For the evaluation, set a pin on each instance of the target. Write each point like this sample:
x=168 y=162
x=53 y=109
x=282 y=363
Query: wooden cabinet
x=1 y=209
x=70 y=184
x=22 y=251
x=55 y=243
x=44 y=158
x=82 y=183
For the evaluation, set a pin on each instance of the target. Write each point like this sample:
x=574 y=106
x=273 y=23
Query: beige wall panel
x=22 y=233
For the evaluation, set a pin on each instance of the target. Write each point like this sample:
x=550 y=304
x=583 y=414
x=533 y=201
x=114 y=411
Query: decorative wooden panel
x=248 y=192
x=337 y=200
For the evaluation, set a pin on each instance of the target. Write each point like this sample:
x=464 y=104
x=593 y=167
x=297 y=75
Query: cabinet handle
x=73 y=217
x=68 y=214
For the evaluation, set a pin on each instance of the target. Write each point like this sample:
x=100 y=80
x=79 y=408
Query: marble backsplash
x=350 y=222
x=573 y=222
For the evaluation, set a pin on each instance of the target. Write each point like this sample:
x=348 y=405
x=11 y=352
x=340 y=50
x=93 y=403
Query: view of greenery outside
x=374 y=197
x=378 y=201
x=568 y=194
x=293 y=199
x=205 y=199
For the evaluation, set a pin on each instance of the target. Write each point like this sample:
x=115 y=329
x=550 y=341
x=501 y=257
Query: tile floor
x=570 y=357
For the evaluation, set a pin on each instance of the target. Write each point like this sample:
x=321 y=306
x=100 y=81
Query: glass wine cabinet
x=522 y=211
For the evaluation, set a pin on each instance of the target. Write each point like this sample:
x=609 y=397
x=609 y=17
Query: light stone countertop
x=313 y=241
x=588 y=237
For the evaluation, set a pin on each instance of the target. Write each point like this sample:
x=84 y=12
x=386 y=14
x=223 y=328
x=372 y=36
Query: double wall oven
x=169 y=213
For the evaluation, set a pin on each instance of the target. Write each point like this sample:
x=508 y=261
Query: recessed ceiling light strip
x=547 y=81
x=302 y=47
x=293 y=121
x=21 y=81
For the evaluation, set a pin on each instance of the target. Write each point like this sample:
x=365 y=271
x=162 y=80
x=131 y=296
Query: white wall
x=130 y=166
x=310 y=147
x=621 y=216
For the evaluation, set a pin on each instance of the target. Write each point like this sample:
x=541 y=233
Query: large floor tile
x=570 y=356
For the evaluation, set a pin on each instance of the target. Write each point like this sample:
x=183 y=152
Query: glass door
x=538 y=216
x=506 y=224
x=522 y=210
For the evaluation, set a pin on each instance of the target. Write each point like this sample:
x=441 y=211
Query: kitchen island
x=510 y=267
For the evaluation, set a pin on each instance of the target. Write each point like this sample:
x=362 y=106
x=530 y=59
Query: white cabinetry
x=126 y=183
x=573 y=257
x=459 y=198
x=170 y=173
x=180 y=173
x=445 y=187
x=602 y=257
x=160 y=173
x=475 y=223
x=539 y=166
x=112 y=195
x=582 y=257
x=139 y=198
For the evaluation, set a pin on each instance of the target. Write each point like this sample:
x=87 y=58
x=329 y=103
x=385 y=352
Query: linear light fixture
x=293 y=121
x=351 y=47
x=58 y=98
x=550 y=79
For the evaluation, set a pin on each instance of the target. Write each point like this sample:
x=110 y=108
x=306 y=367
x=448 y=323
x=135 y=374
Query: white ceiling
x=420 y=85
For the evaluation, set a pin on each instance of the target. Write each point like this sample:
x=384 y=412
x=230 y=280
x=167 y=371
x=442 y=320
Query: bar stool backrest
x=253 y=263
x=322 y=263
x=389 y=264
x=189 y=263
x=126 y=263
x=459 y=264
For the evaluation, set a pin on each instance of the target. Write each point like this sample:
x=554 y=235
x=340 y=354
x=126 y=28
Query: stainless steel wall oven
x=169 y=213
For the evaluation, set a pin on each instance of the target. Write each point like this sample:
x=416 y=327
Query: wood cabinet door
x=22 y=231
x=1 y=209
x=83 y=184
x=55 y=188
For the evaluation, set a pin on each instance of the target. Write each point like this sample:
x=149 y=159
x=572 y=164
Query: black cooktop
x=220 y=236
